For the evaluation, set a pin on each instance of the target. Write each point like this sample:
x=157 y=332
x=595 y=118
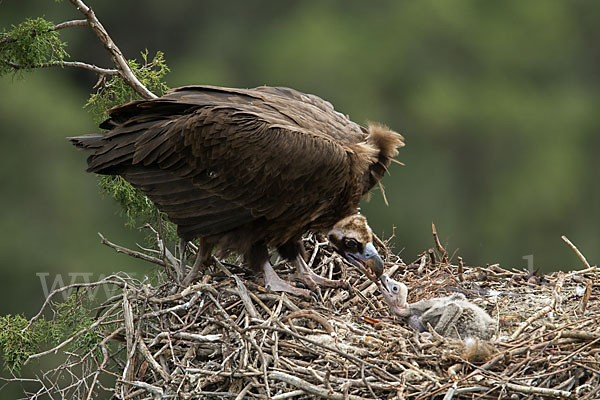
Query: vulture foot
x=312 y=280
x=274 y=283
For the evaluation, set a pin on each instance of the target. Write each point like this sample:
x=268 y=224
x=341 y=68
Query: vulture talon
x=209 y=157
x=301 y=285
x=316 y=296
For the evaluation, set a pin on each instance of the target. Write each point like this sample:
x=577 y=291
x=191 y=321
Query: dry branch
x=69 y=24
x=309 y=388
x=576 y=250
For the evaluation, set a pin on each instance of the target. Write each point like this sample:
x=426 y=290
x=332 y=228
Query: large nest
x=226 y=337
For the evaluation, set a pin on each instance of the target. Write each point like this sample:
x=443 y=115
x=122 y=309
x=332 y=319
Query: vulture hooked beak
x=353 y=239
x=368 y=260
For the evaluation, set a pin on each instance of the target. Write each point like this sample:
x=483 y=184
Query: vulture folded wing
x=215 y=159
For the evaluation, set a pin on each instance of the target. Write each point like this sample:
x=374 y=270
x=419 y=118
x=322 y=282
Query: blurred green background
x=498 y=102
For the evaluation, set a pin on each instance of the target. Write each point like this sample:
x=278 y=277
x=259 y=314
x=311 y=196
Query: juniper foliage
x=30 y=45
x=34 y=44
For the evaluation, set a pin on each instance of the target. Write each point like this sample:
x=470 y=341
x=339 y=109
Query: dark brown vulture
x=247 y=169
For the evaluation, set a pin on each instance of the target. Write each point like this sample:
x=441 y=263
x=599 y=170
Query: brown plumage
x=244 y=169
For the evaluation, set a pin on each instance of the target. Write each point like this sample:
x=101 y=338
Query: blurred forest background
x=498 y=102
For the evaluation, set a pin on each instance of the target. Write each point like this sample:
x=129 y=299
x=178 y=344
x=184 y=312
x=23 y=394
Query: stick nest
x=226 y=337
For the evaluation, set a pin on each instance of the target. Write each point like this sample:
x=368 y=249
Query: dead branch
x=438 y=245
x=576 y=250
x=69 y=24
x=73 y=64
x=132 y=253
x=309 y=388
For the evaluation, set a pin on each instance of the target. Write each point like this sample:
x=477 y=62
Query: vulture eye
x=351 y=244
x=395 y=289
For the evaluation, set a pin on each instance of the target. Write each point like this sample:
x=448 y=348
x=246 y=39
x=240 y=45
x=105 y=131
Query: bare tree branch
x=6 y=39
x=75 y=64
x=68 y=24
x=116 y=55
x=72 y=337
x=62 y=25
x=109 y=280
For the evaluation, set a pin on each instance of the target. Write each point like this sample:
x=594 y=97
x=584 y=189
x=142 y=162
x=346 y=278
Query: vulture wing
x=215 y=159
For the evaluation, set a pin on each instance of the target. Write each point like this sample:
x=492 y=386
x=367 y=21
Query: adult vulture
x=247 y=169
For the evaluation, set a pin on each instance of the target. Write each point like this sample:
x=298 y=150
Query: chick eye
x=351 y=244
x=395 y=289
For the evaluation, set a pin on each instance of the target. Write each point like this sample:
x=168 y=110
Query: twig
x=541 y=391
x=576 y=250
x=105 y=281
x=310 y=314
x=244 y=391
x=153 y=363
x=432 y=257
x=78 y=64
x=75 y=64
x=129 y=370
x=582 y=335
x=288 y=395
x=97 y=373
x=450 y=393
x=155 y=390
x=438 y=245
x=579 y=350
x=245 y=297
x=132 y=253
x=63 y=25
x=586 y=297
x=69 y=24
x=309 y=387
x=71 y=338
x=193 y=336
x=6 y=39
x=385 y=200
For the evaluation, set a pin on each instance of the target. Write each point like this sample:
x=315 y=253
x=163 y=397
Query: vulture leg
x=202 y=259
x=258 y=257
x=182 y=259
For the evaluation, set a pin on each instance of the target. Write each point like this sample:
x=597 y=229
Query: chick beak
x=368 y=260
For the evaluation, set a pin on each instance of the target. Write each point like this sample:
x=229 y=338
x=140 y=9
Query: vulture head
x=352 y=238
x=394 y=294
